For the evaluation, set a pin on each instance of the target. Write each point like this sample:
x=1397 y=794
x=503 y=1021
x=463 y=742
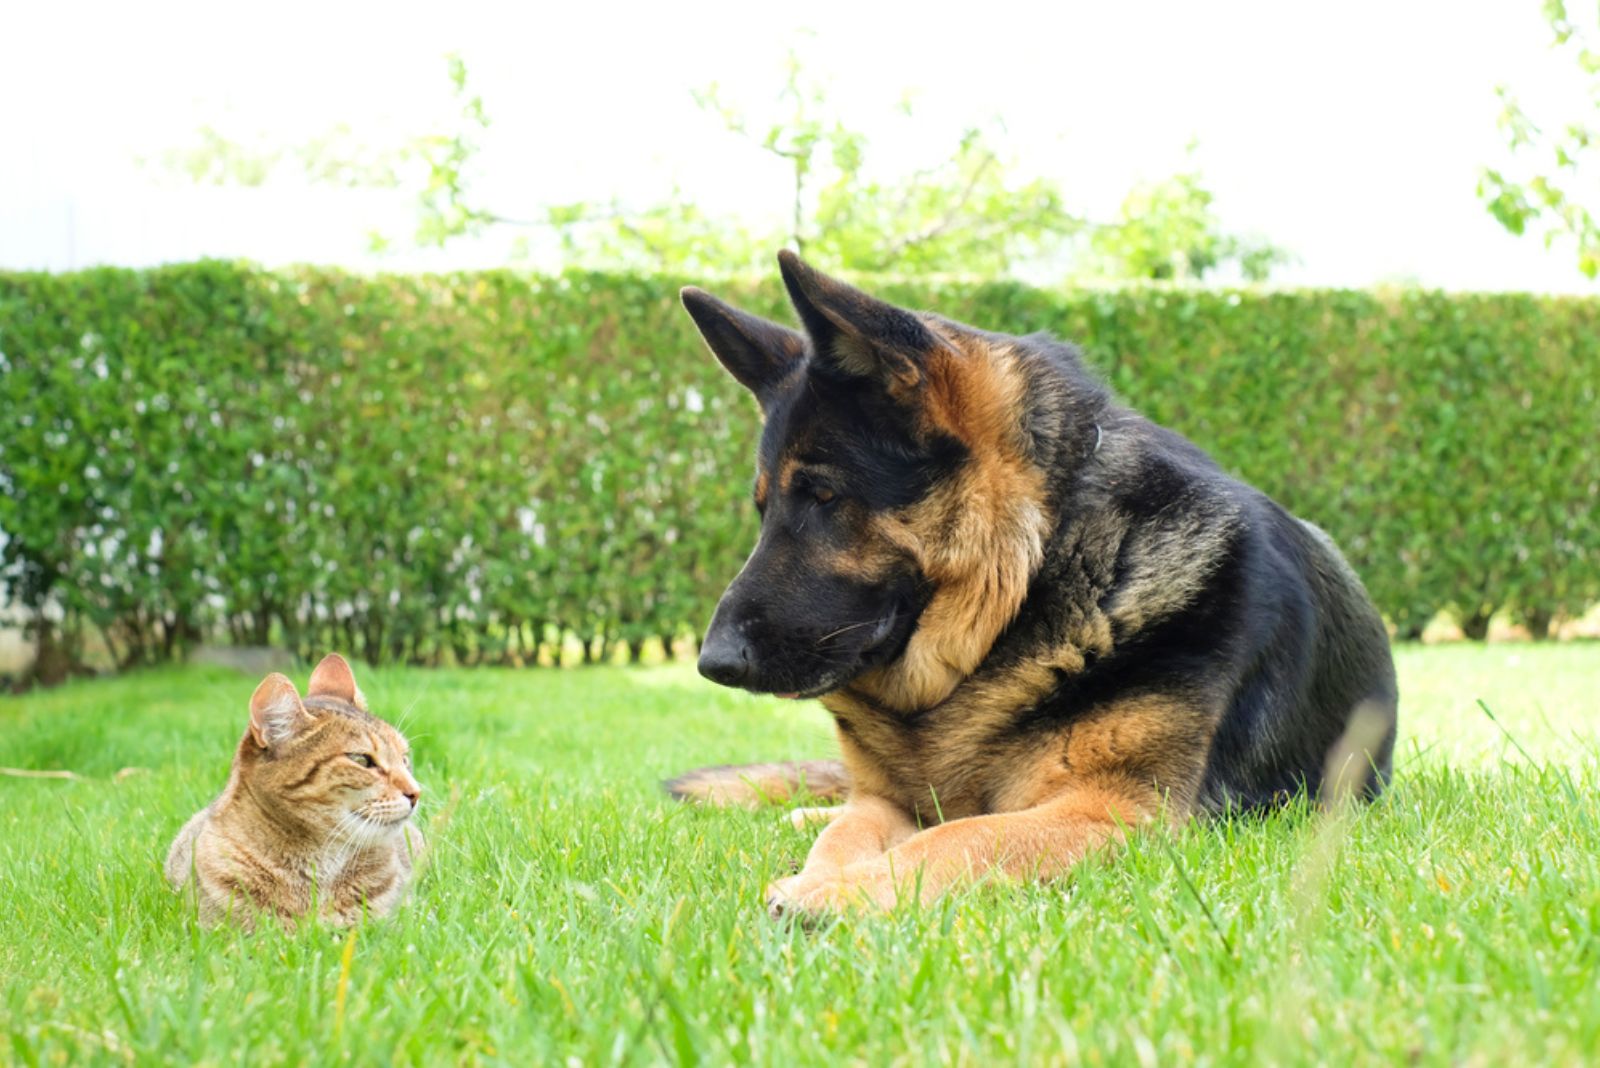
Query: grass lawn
x=572 y=915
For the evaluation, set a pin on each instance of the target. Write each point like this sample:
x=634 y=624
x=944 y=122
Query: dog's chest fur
x=961 y=758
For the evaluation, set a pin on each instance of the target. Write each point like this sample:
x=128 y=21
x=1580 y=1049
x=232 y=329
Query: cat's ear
x=333 y=678
x=276 y=714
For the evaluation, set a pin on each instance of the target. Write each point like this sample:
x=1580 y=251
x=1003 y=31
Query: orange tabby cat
x=316 y=813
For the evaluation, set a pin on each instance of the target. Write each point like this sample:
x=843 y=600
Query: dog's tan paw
x=813 y=898
x=783 y=896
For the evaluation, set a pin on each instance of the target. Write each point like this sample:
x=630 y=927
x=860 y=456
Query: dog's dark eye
x=823 y=495
x=363 y=759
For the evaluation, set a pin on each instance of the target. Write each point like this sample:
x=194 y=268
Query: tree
x=334 y=157
x=1551 y=188
x=435 y=164
x=1167 y=230
x=973 y=212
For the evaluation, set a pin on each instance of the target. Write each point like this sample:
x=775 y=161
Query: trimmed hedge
x=474 y=466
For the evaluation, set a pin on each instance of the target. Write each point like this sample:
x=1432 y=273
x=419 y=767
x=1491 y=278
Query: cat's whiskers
x=358 y=832
x=400 y=725
x=341 y=846
x=340 y=831
x=405 y=716
x=367 y=831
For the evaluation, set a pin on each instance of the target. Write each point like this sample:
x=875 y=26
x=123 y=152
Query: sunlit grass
x=570 y=914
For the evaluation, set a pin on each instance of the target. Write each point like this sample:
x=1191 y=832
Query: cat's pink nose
x=413 y=795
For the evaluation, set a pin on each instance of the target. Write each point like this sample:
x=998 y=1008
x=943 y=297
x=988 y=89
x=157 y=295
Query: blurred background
x=1353 y=138
x=354 y=325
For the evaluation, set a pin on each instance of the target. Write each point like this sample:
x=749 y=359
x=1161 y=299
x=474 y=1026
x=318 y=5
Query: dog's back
x=1316 y=682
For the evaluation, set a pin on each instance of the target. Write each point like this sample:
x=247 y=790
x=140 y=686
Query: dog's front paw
x=783 y=895
x=811 y=897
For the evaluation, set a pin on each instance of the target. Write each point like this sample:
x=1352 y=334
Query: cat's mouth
x=384 y=821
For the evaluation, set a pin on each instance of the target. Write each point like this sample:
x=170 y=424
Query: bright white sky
x=1350 y=133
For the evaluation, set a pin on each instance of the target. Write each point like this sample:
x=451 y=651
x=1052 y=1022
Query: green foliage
x=335 y=156
x=435 y=165
x=444 y=206
x=467 y=467
x=408 y=467
x=972 y=209
x=1167 y=231
x=975 y=211
x=1551 y=189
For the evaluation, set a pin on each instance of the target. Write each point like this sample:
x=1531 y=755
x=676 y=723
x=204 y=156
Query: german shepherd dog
x=1037 y=618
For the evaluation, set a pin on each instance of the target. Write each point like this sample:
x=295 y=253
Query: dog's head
x=901 y=494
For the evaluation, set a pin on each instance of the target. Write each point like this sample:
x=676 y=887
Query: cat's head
x=325 y=766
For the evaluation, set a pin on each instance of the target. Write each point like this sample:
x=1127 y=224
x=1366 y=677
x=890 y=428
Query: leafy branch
x=1555 y=199
x=972 y=213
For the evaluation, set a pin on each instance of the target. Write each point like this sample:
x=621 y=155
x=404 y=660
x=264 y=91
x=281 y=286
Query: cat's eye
x=363 y=759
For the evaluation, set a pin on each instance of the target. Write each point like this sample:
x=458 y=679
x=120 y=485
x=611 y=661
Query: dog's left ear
x=757 y=352
x=855 y=334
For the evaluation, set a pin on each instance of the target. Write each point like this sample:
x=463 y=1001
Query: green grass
x=571 y=915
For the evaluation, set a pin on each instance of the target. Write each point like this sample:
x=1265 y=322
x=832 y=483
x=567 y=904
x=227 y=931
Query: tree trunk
x=1475 y=625
x=1538 y=621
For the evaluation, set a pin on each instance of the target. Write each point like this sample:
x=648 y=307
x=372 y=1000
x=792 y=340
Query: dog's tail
x=753 y=785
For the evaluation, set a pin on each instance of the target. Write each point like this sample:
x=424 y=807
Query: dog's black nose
x=725 y=657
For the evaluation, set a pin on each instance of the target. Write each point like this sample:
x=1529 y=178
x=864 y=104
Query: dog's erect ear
x=859 y=335
x=276 y=714
x=333 y=678
x=757 y=352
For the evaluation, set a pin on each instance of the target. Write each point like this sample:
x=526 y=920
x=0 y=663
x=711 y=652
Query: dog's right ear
x=757 y=352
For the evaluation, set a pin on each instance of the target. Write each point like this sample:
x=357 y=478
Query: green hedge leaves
x=472 y=467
